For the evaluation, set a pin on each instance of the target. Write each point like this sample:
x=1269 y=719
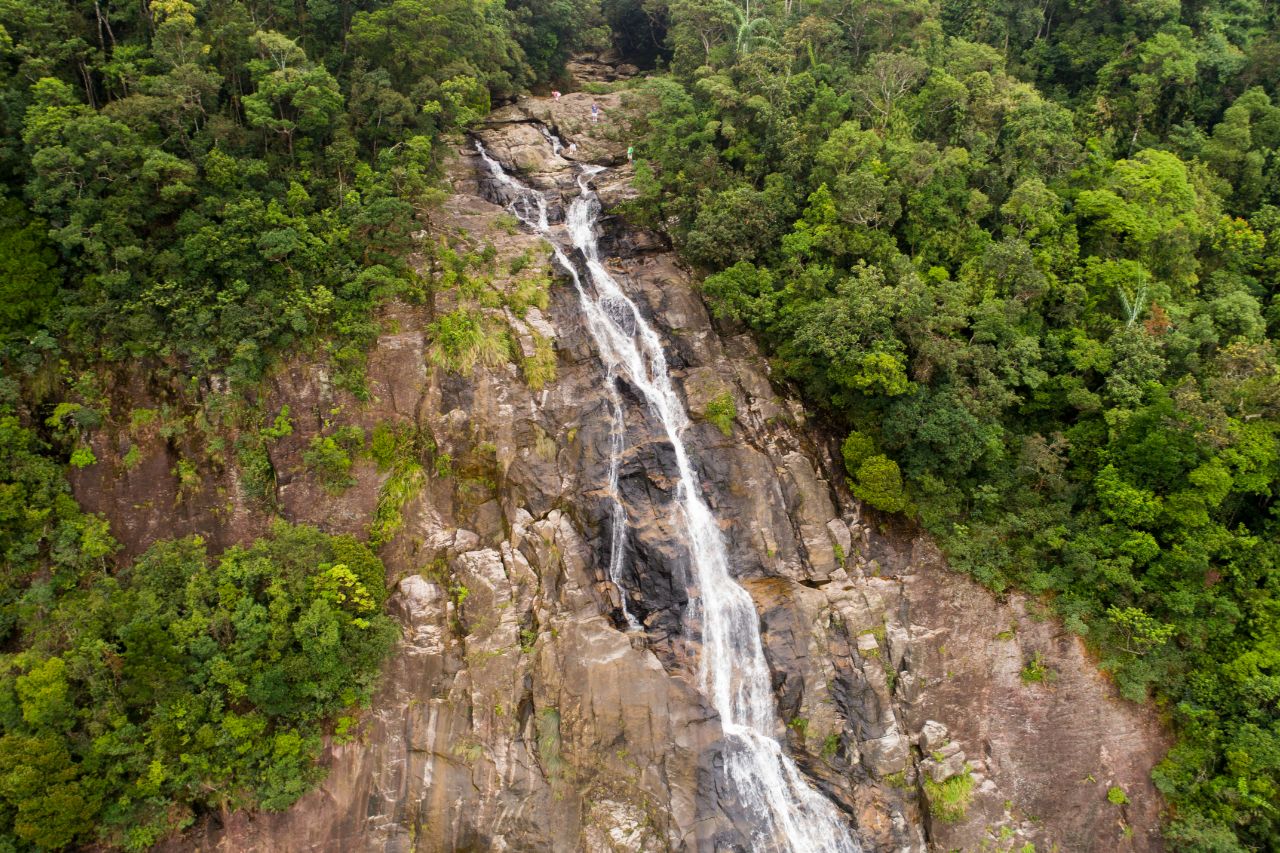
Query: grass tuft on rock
x=540 y=368
x=949 y=800
x=462 y=339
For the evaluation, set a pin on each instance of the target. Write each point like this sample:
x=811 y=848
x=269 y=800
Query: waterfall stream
x=789 y=814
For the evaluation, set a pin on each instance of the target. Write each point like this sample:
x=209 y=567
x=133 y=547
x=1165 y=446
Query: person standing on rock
x=555 y=94
x=595 y=112
x=573 y=149
x=631 y=153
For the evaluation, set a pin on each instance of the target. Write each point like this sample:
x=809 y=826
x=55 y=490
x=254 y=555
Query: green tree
x=29 y=272
x=879 y=482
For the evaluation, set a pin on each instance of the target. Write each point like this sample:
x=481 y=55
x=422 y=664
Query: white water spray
x=618 y=517
x=790 y=814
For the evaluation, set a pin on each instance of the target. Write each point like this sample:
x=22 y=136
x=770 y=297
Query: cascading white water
x=530 y=207
x=618 y=518
x=552 y=139
x=791 y=815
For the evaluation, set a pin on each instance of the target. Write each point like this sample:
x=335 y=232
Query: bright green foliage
x=1142 y=633
x=1025 y=259
x=47 y=545
x=464 y=338
x=1035 y=671
x=331 y=456
x=539 y=369
x=185 y=682
x=257 y=473
x=402 y=451
x=280 y=427
x=401 y=487
x=949 y=800
x=330 y=461
x=82 y=457
x=721 y=412
x=879 y=482
x=1116 y=796
x=856 y=449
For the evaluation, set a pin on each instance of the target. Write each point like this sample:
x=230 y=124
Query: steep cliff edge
x=519 y=713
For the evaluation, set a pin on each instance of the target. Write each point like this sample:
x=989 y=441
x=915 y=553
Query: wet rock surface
x=518 y=713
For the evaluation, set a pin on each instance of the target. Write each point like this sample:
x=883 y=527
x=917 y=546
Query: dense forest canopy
x=190 y=189
x=1027 y=256
x=221 y=179
x=1024 y=255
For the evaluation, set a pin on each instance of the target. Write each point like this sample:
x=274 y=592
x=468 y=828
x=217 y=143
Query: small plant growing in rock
x=469 y=750
x=507 y=223
x=949 y=800
x=540 y=368
x=384 y=446
x=188 y=478
x=462 y=339
x=344 y=729
x=1036 y=672
x=830 y=745
x=140 y=419
x=530 y=292
x=721 y=412
x=547 y=724
x=400 y=488
x=329 y=457
x=896 y=780
x=444 y=465
x=281 y=426
x=437 y=571
x=82 y=457
x=132 y=457
x=1116 y=796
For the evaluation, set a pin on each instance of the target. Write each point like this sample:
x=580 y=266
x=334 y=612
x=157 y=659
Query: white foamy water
x=788 y=813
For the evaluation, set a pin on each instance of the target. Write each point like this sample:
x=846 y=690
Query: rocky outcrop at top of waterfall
x=520 y=711
x=514 y=134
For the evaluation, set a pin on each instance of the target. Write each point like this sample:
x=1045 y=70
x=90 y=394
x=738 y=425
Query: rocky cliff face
x=519 y=713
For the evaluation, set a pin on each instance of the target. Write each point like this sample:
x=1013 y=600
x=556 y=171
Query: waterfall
x=789 y=814
x=618 y=516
